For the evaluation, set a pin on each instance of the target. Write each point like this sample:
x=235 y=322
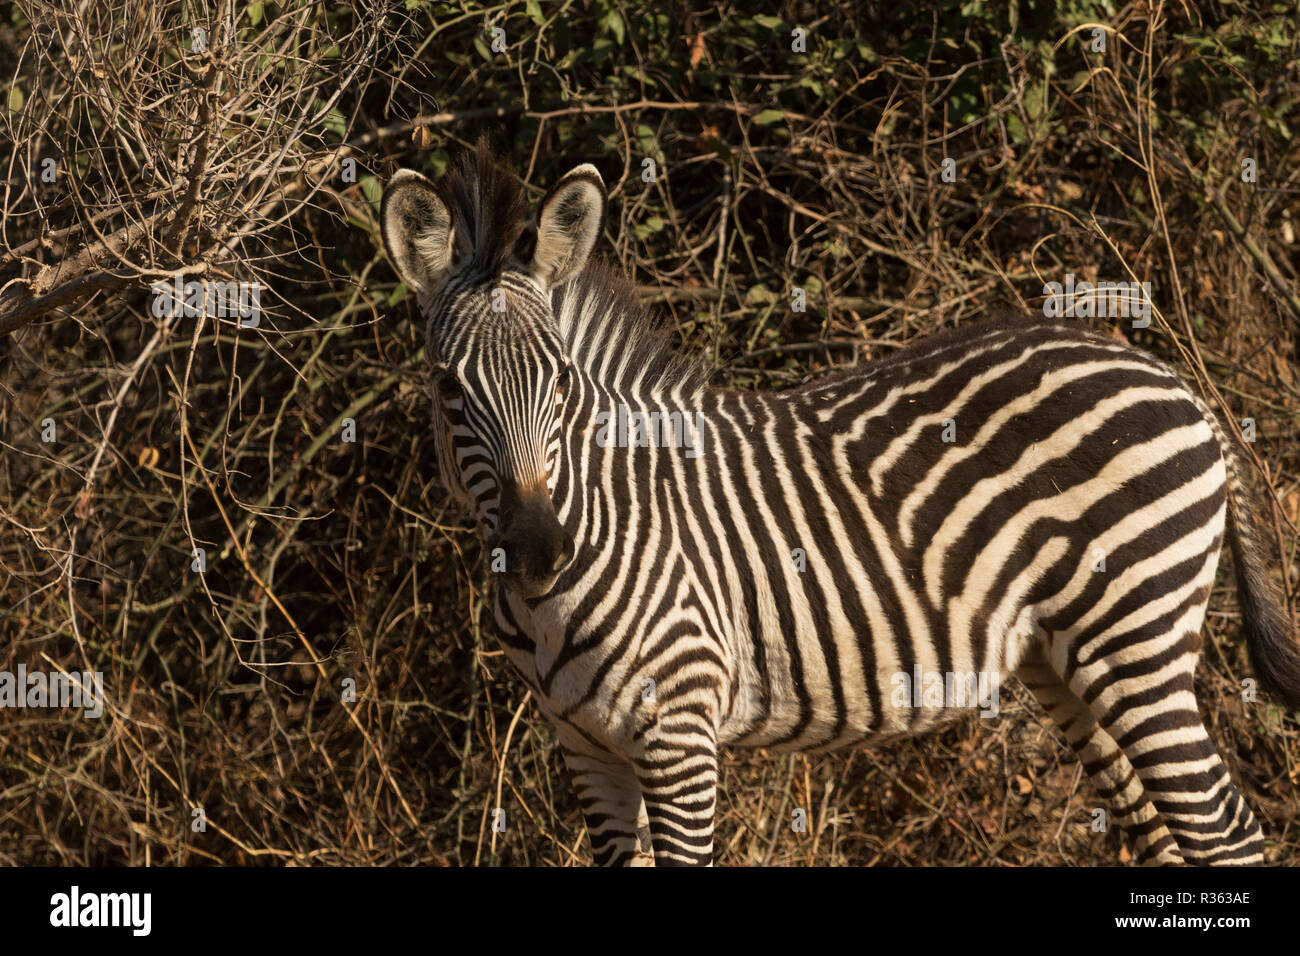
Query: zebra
x=764 y=580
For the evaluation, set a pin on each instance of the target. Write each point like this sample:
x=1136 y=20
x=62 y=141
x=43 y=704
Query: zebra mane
x=620 y=342
x=487 y=211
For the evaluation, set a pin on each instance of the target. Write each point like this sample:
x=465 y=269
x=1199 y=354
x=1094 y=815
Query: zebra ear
x=417 y=229
x=568 y=225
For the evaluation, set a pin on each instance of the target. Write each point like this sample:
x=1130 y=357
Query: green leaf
x=534 y=11
x=808 y=82
x=964 y=106
x=16 y=99
x=370 y=188
x=645 y=137
x=648 y=228
x=1034 y=100
x=768 y=117
x=614 y=24
x=1015 y=128
x=255 y=14
x=336 y=124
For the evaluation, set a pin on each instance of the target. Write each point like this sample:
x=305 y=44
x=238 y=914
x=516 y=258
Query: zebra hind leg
x=1137 y=681
x=1112 y=776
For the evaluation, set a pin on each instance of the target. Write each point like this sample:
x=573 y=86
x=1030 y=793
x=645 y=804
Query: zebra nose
x=536 y=547
x=565 y=555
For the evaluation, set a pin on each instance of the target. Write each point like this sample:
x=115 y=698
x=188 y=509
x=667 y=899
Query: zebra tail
x=1270 y=637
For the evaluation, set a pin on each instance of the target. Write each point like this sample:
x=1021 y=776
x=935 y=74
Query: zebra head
x=500 y=362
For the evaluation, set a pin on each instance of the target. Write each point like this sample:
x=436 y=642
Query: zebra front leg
x=678 y=772
x=611 y=806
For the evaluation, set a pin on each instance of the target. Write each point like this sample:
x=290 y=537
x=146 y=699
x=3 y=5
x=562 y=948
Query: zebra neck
x=618 y=445
x=622 y=349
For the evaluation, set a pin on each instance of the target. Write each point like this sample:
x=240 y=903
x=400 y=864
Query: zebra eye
x=562 y=381
x=447 y=386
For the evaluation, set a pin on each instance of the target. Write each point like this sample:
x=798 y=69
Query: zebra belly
x=900 y=698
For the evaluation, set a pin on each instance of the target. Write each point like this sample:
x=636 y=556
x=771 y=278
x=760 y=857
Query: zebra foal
x=685 y=567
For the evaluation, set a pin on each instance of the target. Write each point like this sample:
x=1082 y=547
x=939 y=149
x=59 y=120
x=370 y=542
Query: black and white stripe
x=944 y=509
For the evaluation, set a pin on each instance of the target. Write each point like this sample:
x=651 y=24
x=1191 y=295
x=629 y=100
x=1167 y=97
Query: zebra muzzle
x=534 y=545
